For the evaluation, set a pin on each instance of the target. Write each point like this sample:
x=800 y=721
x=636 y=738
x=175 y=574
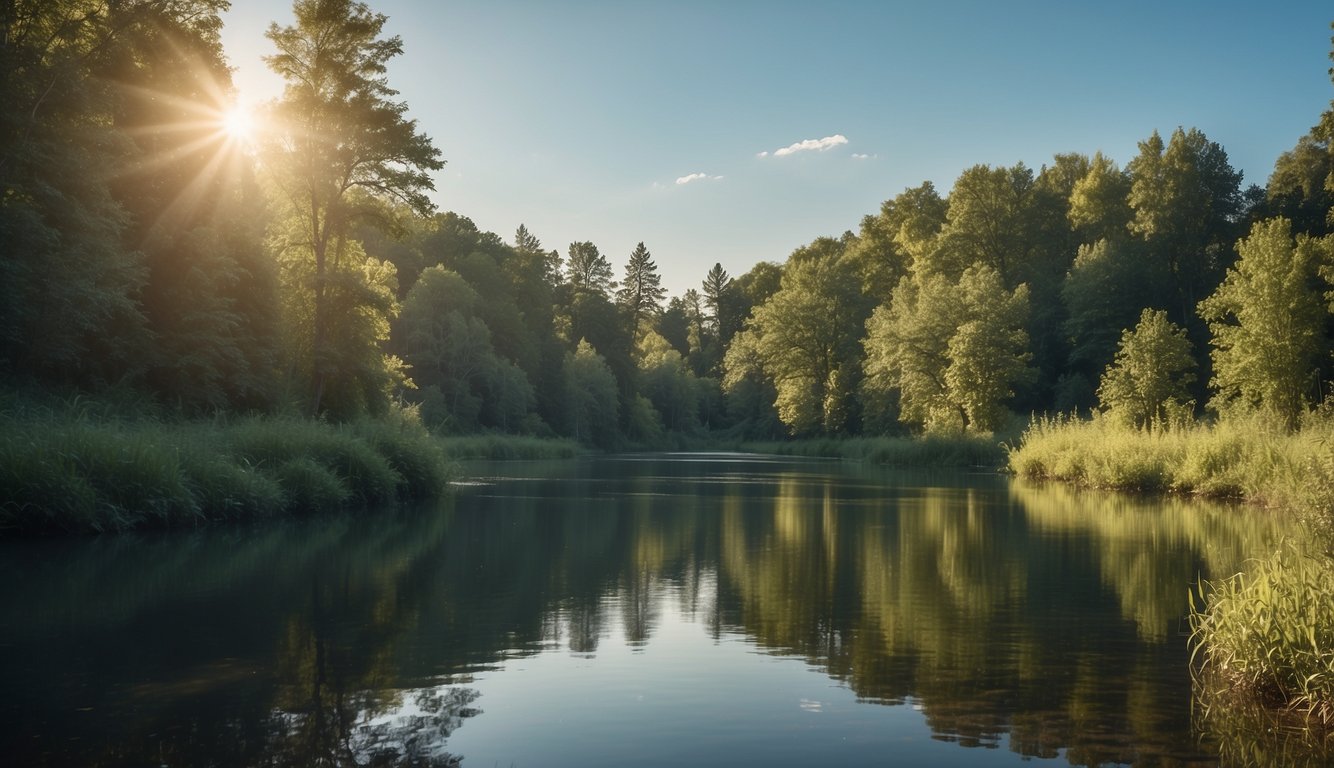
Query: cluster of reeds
x=1245 y=458
x=1267 y=635
x=71 y=472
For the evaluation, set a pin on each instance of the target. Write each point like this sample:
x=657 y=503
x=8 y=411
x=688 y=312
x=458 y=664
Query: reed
x=1268 y=634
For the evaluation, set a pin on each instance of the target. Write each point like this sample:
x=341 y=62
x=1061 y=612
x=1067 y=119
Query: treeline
x=147 y=250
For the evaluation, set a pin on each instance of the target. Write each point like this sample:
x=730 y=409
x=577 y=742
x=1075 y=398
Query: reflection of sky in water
x=684 y=698
x=650 y=610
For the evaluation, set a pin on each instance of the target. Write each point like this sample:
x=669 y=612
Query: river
x=645 y=610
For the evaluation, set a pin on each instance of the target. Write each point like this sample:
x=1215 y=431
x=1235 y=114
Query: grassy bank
x=1262 y=639
x=67 y=472
x=926 y=451
x=1246 y=459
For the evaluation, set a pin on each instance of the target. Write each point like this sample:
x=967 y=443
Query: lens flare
x=239 y=124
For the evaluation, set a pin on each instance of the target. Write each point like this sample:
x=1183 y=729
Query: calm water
x=641 y=610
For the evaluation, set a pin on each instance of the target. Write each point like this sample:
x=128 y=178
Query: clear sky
x=671 y=122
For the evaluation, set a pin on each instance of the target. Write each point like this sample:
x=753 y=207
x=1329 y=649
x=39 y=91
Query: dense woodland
x=149 y=253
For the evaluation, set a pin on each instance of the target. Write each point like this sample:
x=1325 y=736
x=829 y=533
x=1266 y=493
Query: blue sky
x=578 y=119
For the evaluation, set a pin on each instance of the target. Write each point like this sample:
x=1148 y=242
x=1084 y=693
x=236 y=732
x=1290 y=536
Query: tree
x=591 y=409
x=1185 y=198
x=719 y=291
x=1151 y=374
x=339 y=133
x=1267 y=321
x=988 y=353
x=1107 y=287
x=953 y=351
x=806 y=338
x=641 y=292
x=587 y=270
x=1099 y=205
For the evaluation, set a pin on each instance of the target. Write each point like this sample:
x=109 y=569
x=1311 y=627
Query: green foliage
x=953 y=351
x=343 y=145
x=1152 y=372
x=66 y=472
x=1266 y=322
x=1268 y=633
x=591 y=402
x=804 y=338
x=1109 y=285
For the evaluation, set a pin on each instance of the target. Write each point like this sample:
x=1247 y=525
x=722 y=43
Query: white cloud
x=810 y=145
x=861 y=156
x=698 y=177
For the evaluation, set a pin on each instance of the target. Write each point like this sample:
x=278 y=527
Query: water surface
x=659 y=610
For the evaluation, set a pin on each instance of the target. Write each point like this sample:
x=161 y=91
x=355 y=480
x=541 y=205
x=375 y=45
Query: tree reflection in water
x=1033 y=617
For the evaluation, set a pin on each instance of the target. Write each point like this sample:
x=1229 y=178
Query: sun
x=238 y=123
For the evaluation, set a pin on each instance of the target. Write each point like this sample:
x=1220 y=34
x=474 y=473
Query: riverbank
x=1264 y=635
x=65 y=472
x=924 y=451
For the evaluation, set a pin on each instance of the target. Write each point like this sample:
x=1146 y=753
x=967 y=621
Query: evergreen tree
x=641 y=292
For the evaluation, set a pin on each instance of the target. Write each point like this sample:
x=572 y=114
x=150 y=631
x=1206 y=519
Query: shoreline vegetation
x=1262 y=640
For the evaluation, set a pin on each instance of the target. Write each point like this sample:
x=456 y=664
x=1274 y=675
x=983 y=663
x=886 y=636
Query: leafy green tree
x=988 y=352
x=1267 y=322
x=1107 y=287
x=953 y=351
x=1185 y=196
x=806 y=338
x=668 y=383
x=68 y=283
x=641 y=292
x=1151 y=374
x=591 y=405
x=1299 y=188
x=1099 y=202
x=342 y=142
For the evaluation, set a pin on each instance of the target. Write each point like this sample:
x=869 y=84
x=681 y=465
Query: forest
x=153 y=255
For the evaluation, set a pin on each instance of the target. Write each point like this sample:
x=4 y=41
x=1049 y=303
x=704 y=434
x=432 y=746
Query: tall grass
x=72 y=472
x=1248 y=459
x=1268 y=633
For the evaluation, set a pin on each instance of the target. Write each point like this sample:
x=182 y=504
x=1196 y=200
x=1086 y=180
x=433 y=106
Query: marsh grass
x=1267 y=634
x=69 y=471
x=1245 y=458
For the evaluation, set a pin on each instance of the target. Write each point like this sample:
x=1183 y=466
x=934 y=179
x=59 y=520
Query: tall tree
x=340 y=132
x=1186 y=197
x=641 y=292
x=1267 y=322
x=718 y=290
x=587 y=270
x=806 y=338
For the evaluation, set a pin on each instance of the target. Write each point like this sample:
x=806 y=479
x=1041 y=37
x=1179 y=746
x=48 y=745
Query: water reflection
x=1030 y=618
